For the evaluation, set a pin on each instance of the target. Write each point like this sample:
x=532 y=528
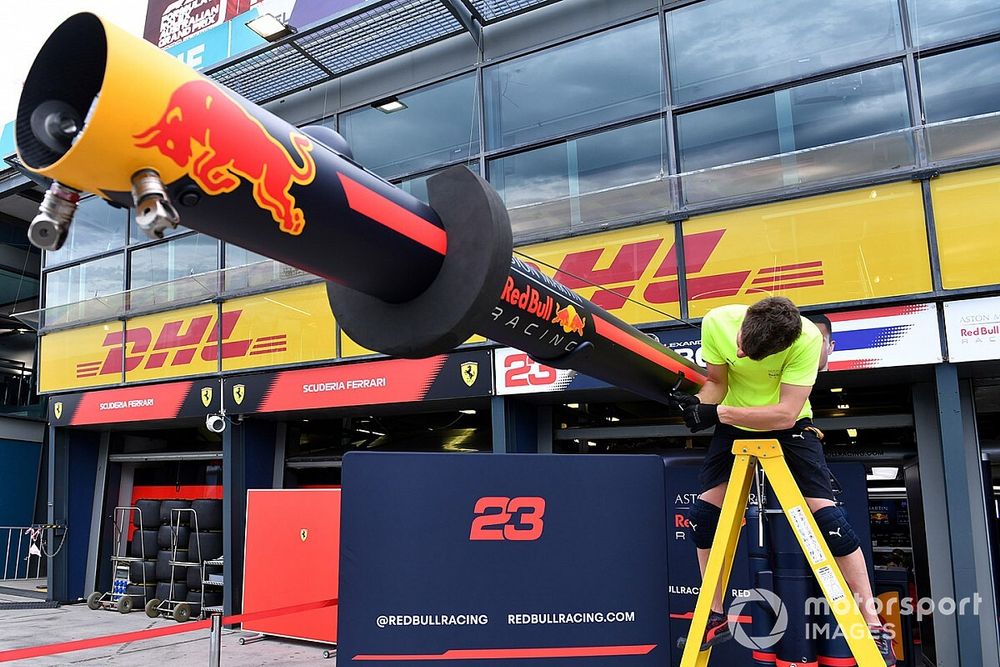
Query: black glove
x=697 y=415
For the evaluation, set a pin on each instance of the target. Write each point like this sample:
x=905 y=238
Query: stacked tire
x=167 y=538
x=142 y=573
x=204 y=545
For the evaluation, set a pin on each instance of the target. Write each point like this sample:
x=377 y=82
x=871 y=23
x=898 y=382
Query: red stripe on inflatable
x=787 y=663
x=763 y=657
x=139 y=635
x=689 y=615
x=615 y=335
x=828 y=661
x=392 y=215
x=518 y=653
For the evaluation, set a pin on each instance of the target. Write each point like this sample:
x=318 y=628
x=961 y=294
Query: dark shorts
x=803 y=452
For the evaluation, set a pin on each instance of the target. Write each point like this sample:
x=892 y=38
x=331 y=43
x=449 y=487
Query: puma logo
x=835 y=533
x=798 y=435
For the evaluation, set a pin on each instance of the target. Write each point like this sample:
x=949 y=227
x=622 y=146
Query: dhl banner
x=144 y=403
x=457 y=375
x=966 y=219
x=847 y=246
x=77 y=358
x=171 y=344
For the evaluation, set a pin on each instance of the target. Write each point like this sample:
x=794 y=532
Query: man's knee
x=837 y=531
x=704 y=520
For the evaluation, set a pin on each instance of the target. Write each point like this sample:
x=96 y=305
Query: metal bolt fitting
x=50 y=227
x=154 y=212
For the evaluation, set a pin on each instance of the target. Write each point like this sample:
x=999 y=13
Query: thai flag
x=879 y=337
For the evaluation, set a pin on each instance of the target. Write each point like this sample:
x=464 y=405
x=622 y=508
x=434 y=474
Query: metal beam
x=463 y=14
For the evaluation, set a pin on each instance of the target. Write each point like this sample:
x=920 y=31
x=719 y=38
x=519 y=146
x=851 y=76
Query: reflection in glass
x=962 y=83
x=181 y=258
x=585 y=83
x=418 y=186
x=246 y=269
x=719 y=46
x=438 y=124
x=825 y=112
x=942 y=20
x=586 y=181
x=80 y=292
x=97 y=228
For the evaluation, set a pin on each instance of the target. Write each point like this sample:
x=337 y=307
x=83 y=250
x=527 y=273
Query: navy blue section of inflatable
x=519 y=558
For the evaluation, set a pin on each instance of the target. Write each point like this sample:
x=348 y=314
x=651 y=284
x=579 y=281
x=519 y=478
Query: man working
x=762 y=364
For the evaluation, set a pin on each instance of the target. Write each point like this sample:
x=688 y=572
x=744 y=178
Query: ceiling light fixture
x=836 y=390
x=389 y=105
x=269 y=27
x=852 y=432
x=573 y=406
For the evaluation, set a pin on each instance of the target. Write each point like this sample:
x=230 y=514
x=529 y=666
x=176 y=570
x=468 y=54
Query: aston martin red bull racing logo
x=569 y=320
x=218 y=143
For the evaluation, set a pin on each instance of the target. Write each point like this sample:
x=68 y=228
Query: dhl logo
x=217 y=143
x=631 y=266
x=178 y=343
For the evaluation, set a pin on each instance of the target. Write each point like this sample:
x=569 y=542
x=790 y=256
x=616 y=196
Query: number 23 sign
x=517 y=373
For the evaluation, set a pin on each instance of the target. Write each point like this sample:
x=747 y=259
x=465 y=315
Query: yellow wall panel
x=286 y=327
x=967 y=220
x=846 y=246
x=85 y=357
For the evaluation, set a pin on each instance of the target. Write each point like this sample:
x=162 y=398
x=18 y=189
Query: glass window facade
x=934 y=21
x=583 y=180
x=824 y=112
x=186 y=256
x=585 y=83
x=171 y=262
x=97 y=228
x=439 y=124
x=720 y=46
x=961 y=83
x=766 y=99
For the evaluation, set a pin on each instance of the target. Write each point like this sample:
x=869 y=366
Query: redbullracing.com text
x=572 y=618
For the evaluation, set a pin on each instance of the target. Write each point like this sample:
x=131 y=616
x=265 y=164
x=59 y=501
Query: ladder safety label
x=828 y=580
x=805 y=532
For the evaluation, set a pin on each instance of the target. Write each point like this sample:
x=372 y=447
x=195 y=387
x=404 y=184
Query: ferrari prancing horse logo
x=303 y=534
x=470 y=371
x=57 y=409
x=239 y=391
x=206 y=396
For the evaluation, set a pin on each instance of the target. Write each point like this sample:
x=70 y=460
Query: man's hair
x=820 y=318
x=770 y=326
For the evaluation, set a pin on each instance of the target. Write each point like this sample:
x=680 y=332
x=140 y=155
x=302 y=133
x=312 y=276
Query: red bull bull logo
x=569 y=320
x=218 y=143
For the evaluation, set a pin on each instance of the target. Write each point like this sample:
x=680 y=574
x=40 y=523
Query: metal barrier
x=17 y=542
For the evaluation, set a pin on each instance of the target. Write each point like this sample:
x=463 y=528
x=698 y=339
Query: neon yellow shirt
x=756 y=383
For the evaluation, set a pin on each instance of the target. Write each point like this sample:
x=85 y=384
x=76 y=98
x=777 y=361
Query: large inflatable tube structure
x=105 y=112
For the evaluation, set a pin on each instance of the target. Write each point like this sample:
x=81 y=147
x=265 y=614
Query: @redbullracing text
x=572 y=618
x=428 y=620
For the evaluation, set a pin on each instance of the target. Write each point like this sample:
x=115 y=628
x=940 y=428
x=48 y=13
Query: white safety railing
x=22 y=553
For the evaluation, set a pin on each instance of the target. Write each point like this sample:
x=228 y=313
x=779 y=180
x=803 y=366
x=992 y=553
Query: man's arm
x=716 y=385
x=769 y=417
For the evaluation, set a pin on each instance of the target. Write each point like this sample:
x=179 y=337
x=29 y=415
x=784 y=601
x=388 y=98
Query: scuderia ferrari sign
x=458 y=375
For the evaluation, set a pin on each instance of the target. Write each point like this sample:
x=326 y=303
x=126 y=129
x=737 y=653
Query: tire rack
x=206 y=611
x=180 y=610
x=119 y=598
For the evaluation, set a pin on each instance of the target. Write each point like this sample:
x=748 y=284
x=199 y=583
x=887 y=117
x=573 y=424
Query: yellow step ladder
x=720 y=561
